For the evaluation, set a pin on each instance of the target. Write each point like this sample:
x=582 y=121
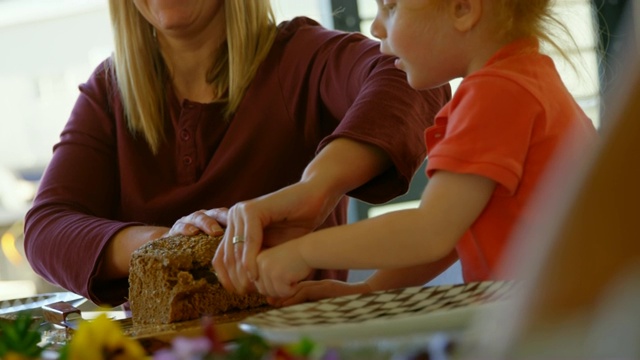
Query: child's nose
x=377 y=29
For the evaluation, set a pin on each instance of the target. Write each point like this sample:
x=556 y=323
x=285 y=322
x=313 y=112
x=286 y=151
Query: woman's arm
x=369 y=124
x=71 y=223
x=339 y=85
x=295 y=210
x=117 y=254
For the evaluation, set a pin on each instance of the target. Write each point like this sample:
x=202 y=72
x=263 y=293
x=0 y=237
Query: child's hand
x=280 y=269
x=315 y=290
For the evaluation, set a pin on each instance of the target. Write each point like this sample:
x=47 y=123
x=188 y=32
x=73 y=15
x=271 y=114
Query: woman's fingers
x=252 y=246
x=220 y=269
x=224 y=261
x=247 y=239
x=220 y=215
x=206 y=221
x=239 y=241
x=235 y=248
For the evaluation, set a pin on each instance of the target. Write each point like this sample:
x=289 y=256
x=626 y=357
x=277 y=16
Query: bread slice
x=171 y=279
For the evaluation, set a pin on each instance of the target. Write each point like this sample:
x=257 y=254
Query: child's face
x=419 y=33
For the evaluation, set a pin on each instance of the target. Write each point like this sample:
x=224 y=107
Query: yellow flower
x=15 y=356
x=103 y=339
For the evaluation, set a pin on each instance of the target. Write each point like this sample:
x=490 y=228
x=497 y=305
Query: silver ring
x=237 y=239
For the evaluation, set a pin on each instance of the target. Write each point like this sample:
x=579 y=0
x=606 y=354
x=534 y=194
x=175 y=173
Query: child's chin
x=422 y=83
x=417 y=84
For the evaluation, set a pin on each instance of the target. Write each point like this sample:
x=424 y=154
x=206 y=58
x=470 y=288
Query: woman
x=207 y=103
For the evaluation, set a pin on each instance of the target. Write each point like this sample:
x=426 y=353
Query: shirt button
x=185 y=135
x=187 y=160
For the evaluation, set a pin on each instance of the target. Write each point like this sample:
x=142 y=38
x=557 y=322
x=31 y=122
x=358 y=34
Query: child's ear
x=465 y=13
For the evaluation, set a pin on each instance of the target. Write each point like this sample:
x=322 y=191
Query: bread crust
x=171 y=279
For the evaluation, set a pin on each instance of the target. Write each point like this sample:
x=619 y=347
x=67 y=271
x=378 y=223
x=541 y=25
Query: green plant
x=20 y=337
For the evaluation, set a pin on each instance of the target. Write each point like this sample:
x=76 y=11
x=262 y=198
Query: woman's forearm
x=344 y=165
x=117 y=254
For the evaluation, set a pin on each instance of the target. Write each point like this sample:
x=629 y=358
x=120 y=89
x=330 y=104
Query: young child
x=487 y=151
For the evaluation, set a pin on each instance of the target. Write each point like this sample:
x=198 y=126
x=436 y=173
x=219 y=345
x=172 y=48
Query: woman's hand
x=263 y=223
x=207 y=221
x=118 y=252
x=293 y=211
x=307 y=291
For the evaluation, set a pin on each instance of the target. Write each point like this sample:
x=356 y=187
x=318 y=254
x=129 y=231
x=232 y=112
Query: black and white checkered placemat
x=382 y=305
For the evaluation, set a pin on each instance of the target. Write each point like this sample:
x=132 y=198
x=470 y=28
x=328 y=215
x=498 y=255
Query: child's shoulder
x=520 y=58
x=513 y=72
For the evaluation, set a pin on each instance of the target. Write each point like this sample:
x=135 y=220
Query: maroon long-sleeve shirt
x=314 y=86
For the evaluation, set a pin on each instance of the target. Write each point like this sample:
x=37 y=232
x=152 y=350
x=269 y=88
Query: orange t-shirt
x=505 y=122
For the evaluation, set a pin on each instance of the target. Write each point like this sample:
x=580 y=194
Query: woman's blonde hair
x=142 y=75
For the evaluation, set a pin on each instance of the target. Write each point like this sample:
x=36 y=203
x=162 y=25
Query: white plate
x=36 y=302
x=379 y=314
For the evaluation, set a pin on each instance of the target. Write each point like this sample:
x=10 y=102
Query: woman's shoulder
x=302 y=39
x=101 y=86
x=288 y=28
x=102 y=79
x=308 y=31
x=102 y=73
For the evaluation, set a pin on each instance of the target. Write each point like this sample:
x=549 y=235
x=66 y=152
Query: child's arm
x=450 y=203
x=386 y=279
x=380 y=280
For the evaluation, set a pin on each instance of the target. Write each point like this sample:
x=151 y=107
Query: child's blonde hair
x=516 y=19
x=531 y=18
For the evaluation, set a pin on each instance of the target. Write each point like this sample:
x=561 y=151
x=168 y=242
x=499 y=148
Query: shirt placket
x=186 y=143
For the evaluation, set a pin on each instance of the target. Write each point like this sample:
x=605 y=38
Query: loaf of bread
x=171 y=279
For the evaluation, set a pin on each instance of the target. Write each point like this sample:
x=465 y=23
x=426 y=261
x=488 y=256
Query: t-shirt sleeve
x=67 y=227
x=387 y=113
x=489 y=131
x=361 y=95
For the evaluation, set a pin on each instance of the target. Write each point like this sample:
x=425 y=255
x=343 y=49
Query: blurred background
x=49 y=47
